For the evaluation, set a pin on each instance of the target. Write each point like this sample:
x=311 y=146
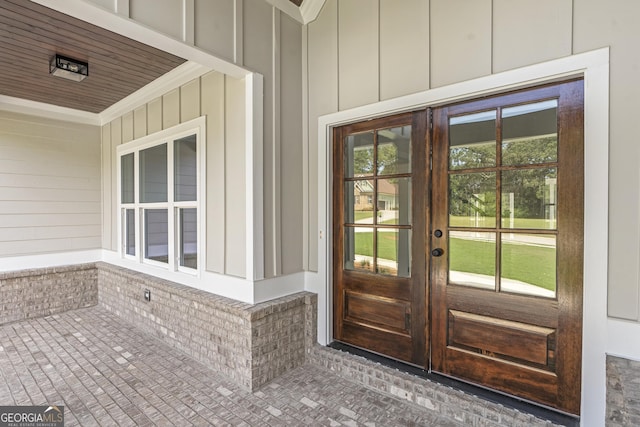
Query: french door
x=458 y=240
x=379 y=236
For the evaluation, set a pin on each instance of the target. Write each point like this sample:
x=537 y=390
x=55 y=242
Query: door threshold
x=508 y=401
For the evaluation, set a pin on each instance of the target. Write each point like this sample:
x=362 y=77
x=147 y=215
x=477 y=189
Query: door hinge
x=407 y=321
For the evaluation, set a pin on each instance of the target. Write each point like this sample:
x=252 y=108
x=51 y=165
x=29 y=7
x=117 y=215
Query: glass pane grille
x=377 y=211
x=503 y=199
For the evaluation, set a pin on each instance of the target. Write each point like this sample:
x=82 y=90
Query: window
x=160 y=197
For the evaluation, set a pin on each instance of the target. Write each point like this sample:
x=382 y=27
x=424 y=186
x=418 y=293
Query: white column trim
x=254 y=174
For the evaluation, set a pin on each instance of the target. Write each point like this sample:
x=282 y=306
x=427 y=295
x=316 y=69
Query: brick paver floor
x=107 y=373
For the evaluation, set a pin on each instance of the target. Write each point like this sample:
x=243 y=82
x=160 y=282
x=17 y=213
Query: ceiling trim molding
x=289 y=8
x=129 y=28
x=307 y=12
x=310 y=9
x=174 y=79
x=48 y=111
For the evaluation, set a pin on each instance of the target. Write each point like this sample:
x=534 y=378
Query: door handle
x=437 y=252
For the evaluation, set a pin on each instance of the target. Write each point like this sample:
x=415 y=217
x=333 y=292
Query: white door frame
x=594 y=67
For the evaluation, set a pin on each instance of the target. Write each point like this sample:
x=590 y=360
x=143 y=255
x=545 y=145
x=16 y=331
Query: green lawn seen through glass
x=535 y=265
x=387 y=245
x=530 y=264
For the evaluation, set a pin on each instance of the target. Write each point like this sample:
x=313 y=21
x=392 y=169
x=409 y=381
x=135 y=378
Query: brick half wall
x=27 y=294
x=250 y=344
x=623 y=392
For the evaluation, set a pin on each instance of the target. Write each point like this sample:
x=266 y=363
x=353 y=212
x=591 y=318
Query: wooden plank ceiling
x=31 y=34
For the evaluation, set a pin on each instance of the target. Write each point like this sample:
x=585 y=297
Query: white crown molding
x=48 y=111
x=289 y=8
x=307 y=12
x=310 y=9
x=173 y=79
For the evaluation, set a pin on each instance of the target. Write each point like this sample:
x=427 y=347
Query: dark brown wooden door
x=380 y=200
x=507 y=205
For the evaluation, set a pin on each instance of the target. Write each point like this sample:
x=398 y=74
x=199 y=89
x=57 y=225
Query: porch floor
x=107 y=373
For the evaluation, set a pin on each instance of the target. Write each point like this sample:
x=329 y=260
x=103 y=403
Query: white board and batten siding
x=387 y=49
x=49 y=186
x=221 y=99
x=363 y=52
x=261 y=38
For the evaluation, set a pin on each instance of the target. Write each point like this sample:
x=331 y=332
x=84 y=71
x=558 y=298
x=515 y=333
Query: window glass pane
x=358 y=158
x=472 y=140
x=528 y=264
x=128 y=183
x=472 y=259
x=394 y=252
x=185 y=179
x=472 y=200
x=189 y=238
x=394 y=150
x=156 y=238
x=358 y=248
x=529 y=198
x=530 y=133
x=358 y=202
x=130 y=232
x=394 y=201
x=153 y=174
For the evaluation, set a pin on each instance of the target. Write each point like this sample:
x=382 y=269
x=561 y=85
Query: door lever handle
x=437 y=252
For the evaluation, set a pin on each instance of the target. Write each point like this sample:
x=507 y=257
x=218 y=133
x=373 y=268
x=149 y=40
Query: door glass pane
x=472 y=199
x=130 y=231
x=394 y=150
x=153 y=174
x=394 y=252
x=529 y=198
x=358 y=158
x=358 y=202
x=358 y=248
x=472 y=259
x=530 y=133
x=156 y=235
x=528 y=264
x=394 y=201
x=127 y=174
x=188 y=237
x=472 y=140
x=185 y=179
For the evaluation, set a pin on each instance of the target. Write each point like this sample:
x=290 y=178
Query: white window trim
x=193 y=127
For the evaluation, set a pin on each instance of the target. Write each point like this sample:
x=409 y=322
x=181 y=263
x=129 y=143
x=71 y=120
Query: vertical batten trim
x=107 y=190
x=276 y=139
x=254 y=176
x=305 y=147
x=122 y=8
x=379 y=95
x=238 y=32
x=188 y=22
